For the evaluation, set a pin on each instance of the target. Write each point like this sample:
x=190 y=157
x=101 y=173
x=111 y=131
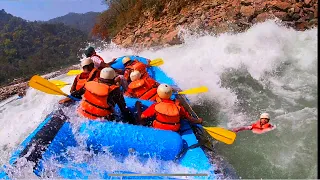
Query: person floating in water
x=259 y=127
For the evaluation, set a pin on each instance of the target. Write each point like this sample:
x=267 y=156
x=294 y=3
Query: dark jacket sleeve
x=116 y=97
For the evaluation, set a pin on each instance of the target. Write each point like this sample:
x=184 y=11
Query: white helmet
x=125 y=60
x=135 y=75
x=107 y=73
x=265 y=115
x=85 y=62
x=164 y=91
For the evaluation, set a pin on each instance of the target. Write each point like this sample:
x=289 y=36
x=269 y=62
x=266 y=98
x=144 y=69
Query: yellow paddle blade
x=41 y=84
x=196 y=90
x=221 y=134
x=59 y=83
x=156 y=62
x=74 y=72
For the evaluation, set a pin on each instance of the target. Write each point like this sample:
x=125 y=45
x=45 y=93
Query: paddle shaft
x=71 y=97
x=183 y=100
x=188 y=107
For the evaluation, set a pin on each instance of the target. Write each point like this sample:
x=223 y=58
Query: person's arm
x=129 y=93
x=111 y=62
x=116 y=97
x=74 y=84
x=118 y=71
x=103 y=64
x=156 y=84
x=185 y=114
x=78 y=93
x=149 y=112
x=148 y=63
x=242 y=128
x=270 y=126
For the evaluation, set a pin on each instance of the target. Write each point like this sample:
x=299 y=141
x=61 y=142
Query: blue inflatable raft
x=57 y=138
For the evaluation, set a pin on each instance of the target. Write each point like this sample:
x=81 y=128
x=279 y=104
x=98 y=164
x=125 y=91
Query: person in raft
x=259 y=127
x=131 y=65
x=167 y=112
x=97 y=60
x=101 y=96
x=90 y=73
x=142 y=88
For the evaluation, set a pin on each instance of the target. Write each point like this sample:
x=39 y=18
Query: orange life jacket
x=94 y=102
x=258 y=128
x=141 y=67
x=92 y=76
x=257 y=125
x=167 y=115
x=135 y=65
x=143 y=89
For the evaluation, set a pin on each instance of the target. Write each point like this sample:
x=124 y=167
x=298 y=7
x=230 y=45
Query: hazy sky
x=47 y=9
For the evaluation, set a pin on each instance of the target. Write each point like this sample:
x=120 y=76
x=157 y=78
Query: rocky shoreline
x=216 y=16
x=20 y=85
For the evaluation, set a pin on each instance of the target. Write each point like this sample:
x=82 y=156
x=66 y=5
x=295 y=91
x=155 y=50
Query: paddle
x=196 y=90
x=59 y=83
x=218 y=133
x=155 y=62
x=74 y=72
x=41 y=84
x=221 y=134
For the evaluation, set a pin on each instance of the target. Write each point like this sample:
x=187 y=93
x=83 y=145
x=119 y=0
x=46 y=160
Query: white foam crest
x=261 y=49
x=21 y=117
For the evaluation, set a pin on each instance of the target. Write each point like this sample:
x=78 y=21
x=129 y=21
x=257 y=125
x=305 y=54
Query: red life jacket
x=95 y=73
x=143 y=89
x=94 y=102
x=258 y=128
x=167 y=115
x=141 y=67
x=135 y=65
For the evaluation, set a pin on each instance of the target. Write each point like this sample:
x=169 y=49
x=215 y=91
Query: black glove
x=78 y=93
x=128 y=116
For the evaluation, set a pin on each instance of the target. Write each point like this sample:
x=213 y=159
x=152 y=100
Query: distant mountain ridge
x=28 y=48
x=83 y=22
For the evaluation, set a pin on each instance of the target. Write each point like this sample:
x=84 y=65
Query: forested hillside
x=83 y=22
x=28 y=48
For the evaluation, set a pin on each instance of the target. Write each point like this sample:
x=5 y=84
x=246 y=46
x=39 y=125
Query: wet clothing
x=145 y=89
x=167 y=114
x=259 y=129
x=94 y=103
x=97 y=60
x=100 y=99
x=135 y=65
x=80 y=80
x=257 y=125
